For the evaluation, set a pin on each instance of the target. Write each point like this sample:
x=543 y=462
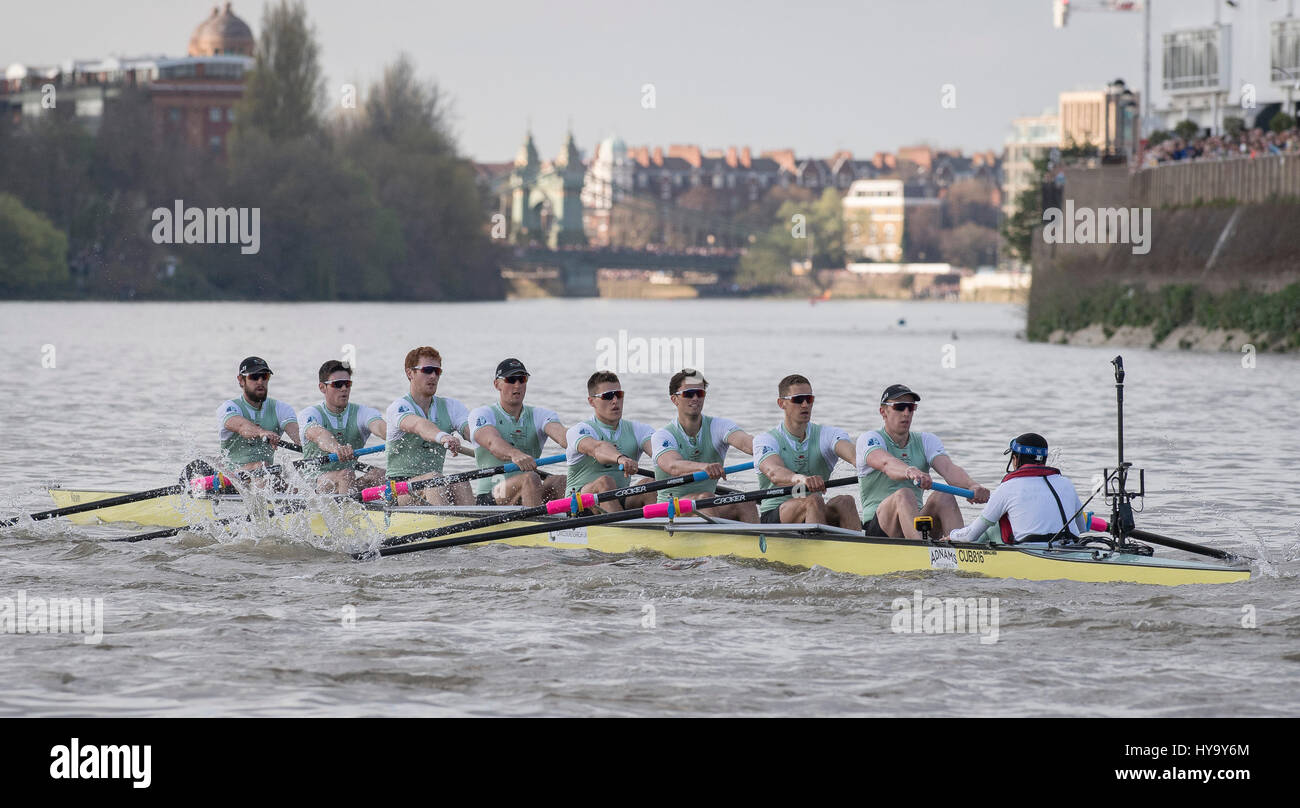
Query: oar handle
x=541 y=461
x=333 y=457
x=952 y=489
x=576 y=502
x=392 y=489
x=219 y=480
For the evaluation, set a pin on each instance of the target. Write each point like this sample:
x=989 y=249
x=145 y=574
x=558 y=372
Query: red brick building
x=194 y=97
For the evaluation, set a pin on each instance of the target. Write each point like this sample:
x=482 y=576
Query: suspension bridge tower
x=546 y=203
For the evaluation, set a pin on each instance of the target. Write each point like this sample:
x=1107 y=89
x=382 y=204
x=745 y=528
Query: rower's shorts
x=485 y=499
x=772 y=517
x=873 y=530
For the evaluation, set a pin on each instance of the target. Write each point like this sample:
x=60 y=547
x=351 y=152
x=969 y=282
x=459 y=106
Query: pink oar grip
x=684 y=506
x=1098 y=524
x=202 y=483
x=377 y=492
x=565 y=505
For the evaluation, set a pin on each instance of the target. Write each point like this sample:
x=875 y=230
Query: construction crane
x=1061 y=14
x=1061 y=8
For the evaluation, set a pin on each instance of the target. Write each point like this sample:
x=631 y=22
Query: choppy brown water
x=255 y=625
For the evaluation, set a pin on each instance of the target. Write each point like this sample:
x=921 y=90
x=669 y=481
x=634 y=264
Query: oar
x=172 y=531
x=393 y=489
x=1099 y=524
x=721 y=489
x=570 y=504
x=952 y=489
x=125 y=499
x=329 y=458
x=659 y=509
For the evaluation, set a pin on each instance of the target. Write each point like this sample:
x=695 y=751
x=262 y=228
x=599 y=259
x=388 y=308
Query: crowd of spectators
x=1247 y=143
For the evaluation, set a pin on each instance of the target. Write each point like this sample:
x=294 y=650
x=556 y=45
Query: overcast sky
x=813 y=76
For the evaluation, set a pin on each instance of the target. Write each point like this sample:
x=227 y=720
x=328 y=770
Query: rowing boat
x=795 y=545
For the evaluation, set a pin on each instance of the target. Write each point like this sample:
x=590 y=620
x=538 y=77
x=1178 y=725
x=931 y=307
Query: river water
x=122 y=395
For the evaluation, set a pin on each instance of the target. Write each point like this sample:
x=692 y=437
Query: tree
x=802 y=231
x=33 y=252
x=405 y=147
x=1233 y=125
x=1157 y=137
x=1281 y=122
x=283 y=96
x=970 y=245
x=971 y=200
x=1187 y=129
x=1018 y=228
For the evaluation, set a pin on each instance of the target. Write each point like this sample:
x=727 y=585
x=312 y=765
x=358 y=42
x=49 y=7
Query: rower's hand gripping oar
x=572 y=504
x=677 y=507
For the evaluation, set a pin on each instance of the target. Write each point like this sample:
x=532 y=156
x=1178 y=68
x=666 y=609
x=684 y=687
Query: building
x=873 y=220
x=1108 y=119
x=609 y=181
x=737 y=174
x=1218 y=60
x=80 y=87
x=193 y=97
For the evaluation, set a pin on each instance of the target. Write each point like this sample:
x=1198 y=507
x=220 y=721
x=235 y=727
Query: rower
x=800 y=452
x=893 y=469
x=511 y=431
x=251 y=425
x=603 y=450
x=698 y=442
x=1023 y=509
x=337 y=426
x=422 y=427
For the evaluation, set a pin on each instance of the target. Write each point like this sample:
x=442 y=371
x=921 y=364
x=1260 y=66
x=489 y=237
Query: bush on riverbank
x=1166 y=308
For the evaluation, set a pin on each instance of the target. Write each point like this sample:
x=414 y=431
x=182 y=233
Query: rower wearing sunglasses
x=698 y=442
x=422 y=426
x=800 y=452
x=337 y=426
x=251 y=425
x=603 y=450
x=894 y=468
x=1024 y=509
x=511 y=431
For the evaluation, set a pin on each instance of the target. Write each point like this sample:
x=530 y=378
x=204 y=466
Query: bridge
x=546 y=214
x=574 y=271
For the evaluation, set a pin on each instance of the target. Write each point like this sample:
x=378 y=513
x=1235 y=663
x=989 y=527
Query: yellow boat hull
x=794 y=546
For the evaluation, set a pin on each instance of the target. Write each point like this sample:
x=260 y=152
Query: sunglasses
x=801 y=398
x=427 y=369
x=340 y=384
x=902 y=406
x=522 y=379
x=257 y=377
x=610 y=395
x=692 y=393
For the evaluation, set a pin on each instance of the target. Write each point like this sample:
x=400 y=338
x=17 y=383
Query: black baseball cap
x=511 y=367
x=896 y=390
x=253 y=364
x=1029 y=443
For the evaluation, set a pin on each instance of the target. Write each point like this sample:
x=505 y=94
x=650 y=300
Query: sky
x=817 y=77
